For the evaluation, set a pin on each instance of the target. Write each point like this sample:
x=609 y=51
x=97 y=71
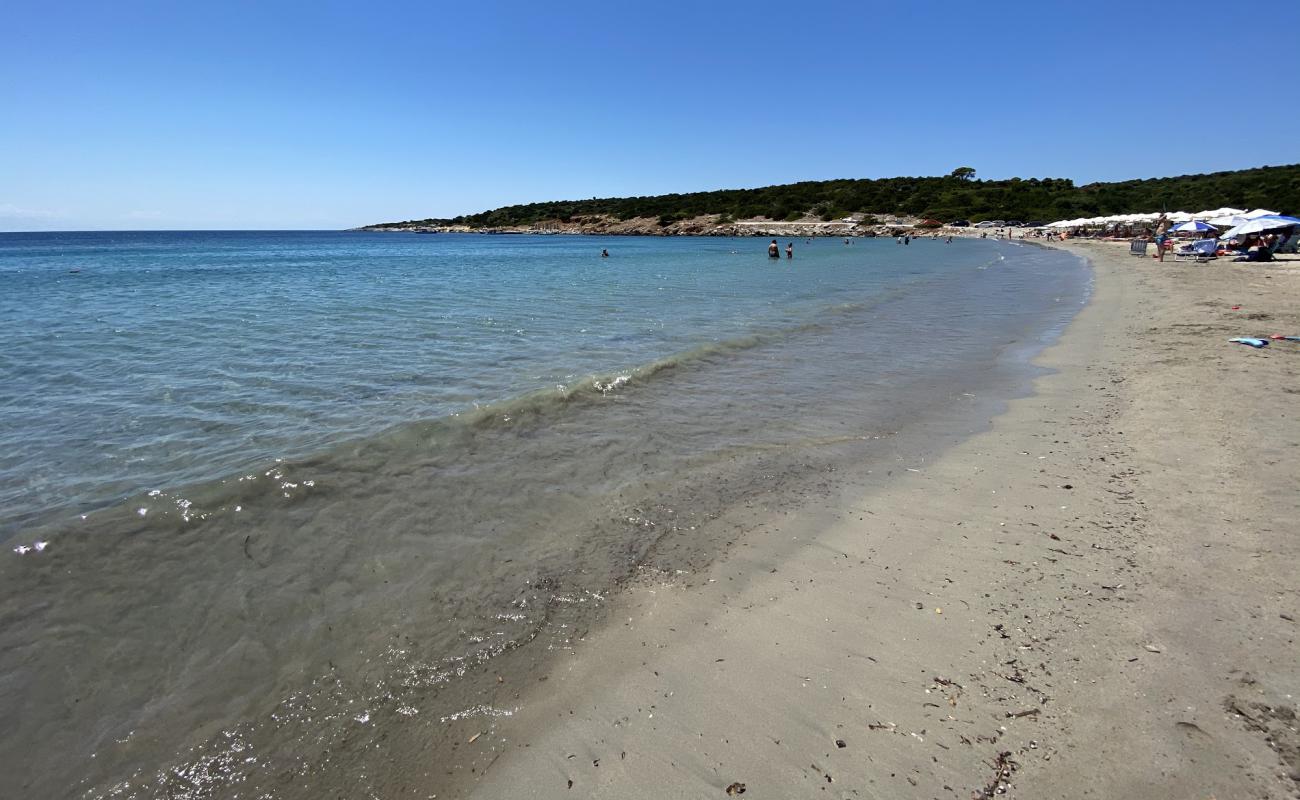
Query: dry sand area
x=1097 y=597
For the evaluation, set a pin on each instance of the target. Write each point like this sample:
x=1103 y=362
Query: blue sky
x=134 y=115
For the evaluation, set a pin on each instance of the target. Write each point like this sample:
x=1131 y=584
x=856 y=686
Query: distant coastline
x=704 y=225
x=872 y=207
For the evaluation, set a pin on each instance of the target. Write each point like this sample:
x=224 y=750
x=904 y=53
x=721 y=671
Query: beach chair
x=1138 y=248
x=1201 y=250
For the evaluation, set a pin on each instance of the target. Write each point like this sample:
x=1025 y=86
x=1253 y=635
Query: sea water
x=278 y=508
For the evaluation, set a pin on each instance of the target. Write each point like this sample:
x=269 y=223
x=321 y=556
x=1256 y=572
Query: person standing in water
x=789 y=251
x=604 y=254
x=774 y=250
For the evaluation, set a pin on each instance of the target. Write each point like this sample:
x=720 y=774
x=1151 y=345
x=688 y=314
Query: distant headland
x=856 y=207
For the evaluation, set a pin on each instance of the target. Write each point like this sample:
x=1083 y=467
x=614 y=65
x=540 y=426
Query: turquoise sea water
x=256 y=487
x=173 y=357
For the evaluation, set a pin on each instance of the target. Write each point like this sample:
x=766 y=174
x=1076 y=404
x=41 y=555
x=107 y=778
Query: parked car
x=988 y=223
x=1038 y=223
x=959 y=223
x=1015 y=223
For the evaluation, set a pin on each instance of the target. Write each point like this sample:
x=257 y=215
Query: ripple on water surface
x=297 y=511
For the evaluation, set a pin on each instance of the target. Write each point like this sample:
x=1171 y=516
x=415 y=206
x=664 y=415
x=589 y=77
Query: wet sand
x=1095 y=597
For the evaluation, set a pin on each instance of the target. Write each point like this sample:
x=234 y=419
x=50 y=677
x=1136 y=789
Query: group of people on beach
x=1251 y=247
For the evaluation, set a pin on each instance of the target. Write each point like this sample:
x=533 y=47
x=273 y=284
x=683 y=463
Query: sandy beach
x=1096 y=597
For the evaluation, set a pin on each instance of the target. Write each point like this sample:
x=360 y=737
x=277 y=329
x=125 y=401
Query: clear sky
x=134 y=115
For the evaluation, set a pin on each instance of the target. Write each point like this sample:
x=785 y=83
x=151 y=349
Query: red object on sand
x=1236 y=308
x=1277 y=336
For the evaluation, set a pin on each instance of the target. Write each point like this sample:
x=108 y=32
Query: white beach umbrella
x=1179 y=216
x=1259 y=212
x=1261 y=224
x=1227 y=220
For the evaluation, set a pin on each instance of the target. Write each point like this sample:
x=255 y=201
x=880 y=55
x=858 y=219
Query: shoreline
x=884 y=226
x=280 y=625
x=1029 y=613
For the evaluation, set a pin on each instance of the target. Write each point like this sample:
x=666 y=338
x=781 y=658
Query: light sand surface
x=1097 y=597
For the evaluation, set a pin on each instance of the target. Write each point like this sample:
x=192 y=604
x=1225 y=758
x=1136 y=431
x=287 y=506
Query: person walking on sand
x=774 y=250
x=789 y=251
x=1162 y=235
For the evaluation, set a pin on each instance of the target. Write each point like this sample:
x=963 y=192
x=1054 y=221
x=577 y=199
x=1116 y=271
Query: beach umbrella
x=1195 y=226
x=1261 y=224
x=1220 y=212
x=1227 y=221
x=1259 y=212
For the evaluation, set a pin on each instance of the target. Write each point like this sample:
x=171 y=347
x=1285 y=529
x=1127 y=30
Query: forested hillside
x=959 y=195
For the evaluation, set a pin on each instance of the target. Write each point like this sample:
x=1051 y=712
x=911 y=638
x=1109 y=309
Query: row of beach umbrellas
x=1214 y=216
x=1239 y=222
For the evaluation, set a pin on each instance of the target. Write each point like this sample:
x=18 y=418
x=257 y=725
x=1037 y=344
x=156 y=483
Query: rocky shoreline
x=709 y=225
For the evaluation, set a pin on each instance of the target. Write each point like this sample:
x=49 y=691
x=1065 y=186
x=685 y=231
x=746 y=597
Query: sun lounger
x=1199 y=250
x=1138 y=248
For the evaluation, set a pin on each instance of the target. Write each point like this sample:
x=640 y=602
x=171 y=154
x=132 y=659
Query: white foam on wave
x=480 y=711
x=613 y=385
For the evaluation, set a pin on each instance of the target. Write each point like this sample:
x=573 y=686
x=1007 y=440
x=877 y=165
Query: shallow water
x=333 y=484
